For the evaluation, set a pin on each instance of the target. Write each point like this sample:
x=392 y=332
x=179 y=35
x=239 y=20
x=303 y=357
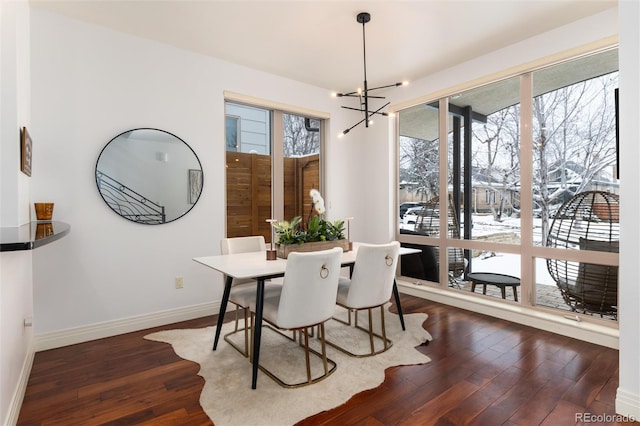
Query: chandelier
x=363 y=94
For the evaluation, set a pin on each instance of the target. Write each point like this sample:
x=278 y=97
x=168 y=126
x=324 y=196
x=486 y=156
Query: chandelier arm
x=379 y=109
x=350 y=128
x=387 y=86
x=360 y=122
x=355 y=109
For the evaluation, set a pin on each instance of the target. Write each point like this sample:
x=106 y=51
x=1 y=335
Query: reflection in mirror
x=149 y=176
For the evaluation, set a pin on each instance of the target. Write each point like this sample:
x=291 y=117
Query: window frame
x=277 y=144
x=528 y=252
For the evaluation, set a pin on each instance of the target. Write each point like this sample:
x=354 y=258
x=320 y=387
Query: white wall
x=90 y=84
x=628 y=396
x=15 y=267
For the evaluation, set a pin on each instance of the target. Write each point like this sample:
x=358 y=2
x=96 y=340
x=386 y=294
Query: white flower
x=318 y=201
x=315 y=196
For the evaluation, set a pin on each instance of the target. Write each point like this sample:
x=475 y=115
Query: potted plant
x=320 y=234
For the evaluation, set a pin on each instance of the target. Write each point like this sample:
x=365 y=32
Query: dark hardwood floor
x=484 y=371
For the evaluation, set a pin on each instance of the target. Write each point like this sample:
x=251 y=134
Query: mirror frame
x=122 y=196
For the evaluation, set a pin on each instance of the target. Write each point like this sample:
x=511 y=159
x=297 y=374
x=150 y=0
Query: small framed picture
x=195 y=185
x=25 y=152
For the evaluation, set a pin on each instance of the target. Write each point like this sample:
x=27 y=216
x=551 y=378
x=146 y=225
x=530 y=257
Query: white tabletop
x=252 y=265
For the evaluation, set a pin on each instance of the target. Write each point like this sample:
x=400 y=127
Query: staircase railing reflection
x=127 y=202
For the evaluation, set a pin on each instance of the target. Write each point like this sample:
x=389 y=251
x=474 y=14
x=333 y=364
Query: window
x=232 y=130
x=273 y=160
x=570 y=149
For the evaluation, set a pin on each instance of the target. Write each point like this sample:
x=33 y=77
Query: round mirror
x=149 y=176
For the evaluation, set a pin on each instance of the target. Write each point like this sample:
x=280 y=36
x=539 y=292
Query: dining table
x=254 y=265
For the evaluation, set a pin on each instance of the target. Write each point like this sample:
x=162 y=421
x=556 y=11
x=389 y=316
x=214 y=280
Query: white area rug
x=228 y=399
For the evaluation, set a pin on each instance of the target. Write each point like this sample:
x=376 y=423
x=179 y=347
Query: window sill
x=533 y=317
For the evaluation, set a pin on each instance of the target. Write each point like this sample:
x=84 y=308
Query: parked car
x=408 y=205
x=417 y=214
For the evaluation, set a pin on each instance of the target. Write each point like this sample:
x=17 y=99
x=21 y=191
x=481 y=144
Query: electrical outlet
x=179 y=282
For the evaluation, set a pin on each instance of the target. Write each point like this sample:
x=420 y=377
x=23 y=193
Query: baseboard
x=18 y=396
x=628 y=406
x=554 y=323
x=86 y=333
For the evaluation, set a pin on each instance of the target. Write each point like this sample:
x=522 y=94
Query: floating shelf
x=32 y=235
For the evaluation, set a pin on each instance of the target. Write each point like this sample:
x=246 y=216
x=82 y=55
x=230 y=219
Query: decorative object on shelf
x=25 y=151
x=44 y=211
x=363 y=95
x=319 y=234
x=271 y=251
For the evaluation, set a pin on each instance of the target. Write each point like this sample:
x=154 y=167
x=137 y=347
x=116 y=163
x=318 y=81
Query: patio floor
x=546 y=295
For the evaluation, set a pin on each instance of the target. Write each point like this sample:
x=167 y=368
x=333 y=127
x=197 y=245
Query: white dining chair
x=243 y=291
x=369 y=287
x=305 y=300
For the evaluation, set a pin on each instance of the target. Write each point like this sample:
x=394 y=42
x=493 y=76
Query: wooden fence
x=249 y=191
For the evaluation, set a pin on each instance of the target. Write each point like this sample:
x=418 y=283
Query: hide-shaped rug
x=228 y=399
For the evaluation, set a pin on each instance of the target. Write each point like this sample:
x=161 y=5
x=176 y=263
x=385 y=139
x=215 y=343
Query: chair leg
x=373 y=349
x=237 y=320
x=244 y=351
x=251 y=329
x=306 y=353
x=246 y=331
x=384 y=329
x=324 y=348
x=369 y=330
x=329 y=365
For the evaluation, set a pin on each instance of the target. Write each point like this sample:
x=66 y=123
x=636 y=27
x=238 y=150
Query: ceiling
x=320 y=42
x=421 y=121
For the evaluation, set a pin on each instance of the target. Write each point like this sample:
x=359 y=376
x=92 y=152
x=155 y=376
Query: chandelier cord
x=366 y=89
x=364 y=53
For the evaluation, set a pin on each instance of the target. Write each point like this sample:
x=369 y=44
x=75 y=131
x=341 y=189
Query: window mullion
x=443 y=190
x=277 y=165
x=527 y=263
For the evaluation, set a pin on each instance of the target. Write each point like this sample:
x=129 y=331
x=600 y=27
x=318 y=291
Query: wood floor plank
x=483 y=371
x=587 y=388
x=471 y=407
x=542 y=403
x=430 y=412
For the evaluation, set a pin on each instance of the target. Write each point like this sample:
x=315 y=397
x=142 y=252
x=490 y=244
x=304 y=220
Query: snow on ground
x=509 y=264
x=504 y=263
